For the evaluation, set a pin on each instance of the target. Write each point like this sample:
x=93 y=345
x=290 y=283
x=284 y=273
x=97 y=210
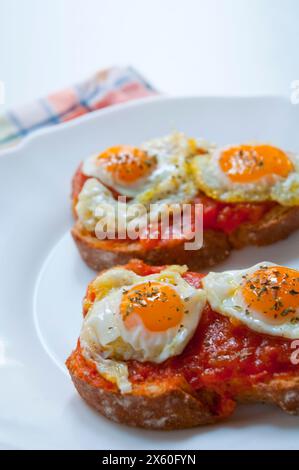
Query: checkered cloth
x=107 y=87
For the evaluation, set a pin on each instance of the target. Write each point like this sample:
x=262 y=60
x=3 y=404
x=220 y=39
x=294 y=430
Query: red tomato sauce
x=227 y=217
x=220 y=353
x=223 y=356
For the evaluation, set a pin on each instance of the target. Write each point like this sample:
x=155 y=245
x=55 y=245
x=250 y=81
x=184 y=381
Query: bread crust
x=170 y=405
x=99 y=255
x=281 y=391
x=276 y=225
x=173 y=405
x=165 y=406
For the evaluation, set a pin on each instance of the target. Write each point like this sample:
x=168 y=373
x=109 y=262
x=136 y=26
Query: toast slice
x=225 y=363
x=104 y=254
x=166 y=405
x=172 y=404
x=278 y=223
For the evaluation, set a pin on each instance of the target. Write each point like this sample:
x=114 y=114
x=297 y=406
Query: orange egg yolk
x=273 y=292
x=157 y=305
x=127 y=164
x=248 y=163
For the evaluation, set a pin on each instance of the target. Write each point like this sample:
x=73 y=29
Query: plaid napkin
x=107 y=87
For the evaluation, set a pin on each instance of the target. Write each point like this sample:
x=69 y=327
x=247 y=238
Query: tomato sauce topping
x=227 y=217
x=223 y=356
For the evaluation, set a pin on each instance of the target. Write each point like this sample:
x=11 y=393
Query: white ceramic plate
x=43 y=279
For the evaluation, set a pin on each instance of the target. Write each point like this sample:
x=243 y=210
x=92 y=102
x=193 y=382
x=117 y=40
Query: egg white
x=104 y=336
x=223 y=291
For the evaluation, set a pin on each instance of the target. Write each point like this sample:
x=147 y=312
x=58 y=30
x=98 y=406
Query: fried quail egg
x=148 y=318
x=164 y=182
x=123 y=168
x=264 y=297
x=132 y=170
x=253 y=172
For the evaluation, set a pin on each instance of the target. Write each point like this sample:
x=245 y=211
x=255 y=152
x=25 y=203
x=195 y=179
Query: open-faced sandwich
x=166 y=348
x=249 y=193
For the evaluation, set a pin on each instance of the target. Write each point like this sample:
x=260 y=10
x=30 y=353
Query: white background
x=181 y=46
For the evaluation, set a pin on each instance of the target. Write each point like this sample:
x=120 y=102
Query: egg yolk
x=248 y=163
x=158 y=306
x=127 y=164
x=273 y=292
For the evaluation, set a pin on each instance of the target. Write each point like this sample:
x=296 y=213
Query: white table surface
x=181 y=46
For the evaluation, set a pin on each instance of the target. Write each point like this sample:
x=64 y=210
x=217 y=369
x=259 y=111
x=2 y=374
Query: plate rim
x=38 y=134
